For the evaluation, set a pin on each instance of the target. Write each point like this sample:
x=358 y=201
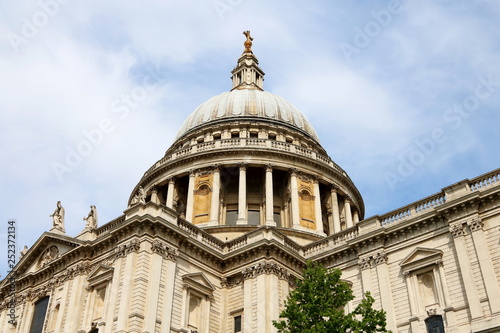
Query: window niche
x=197 y=296
x=99 y=283
x=425 y=282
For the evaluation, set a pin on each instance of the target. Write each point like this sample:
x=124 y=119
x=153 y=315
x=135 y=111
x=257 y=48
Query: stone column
x=485 y=263
x=154 y=195
x=190 y=197
x=214 y=209
x=242 y=195
x=348 y=213
x=458 y=234
x=170 y=193
x=317 y=207
x=355 y=216
x=269 y=196
x=294 y=193
x=335 y=211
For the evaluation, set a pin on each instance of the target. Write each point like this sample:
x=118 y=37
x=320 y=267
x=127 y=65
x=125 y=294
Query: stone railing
x=245 y=143
x=338 y=239
x=485 y=181
x=237 y=243
x=480 y=183
x=110 y=225
x=413 y=209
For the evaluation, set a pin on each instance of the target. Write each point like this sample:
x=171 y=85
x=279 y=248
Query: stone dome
x=246 y=103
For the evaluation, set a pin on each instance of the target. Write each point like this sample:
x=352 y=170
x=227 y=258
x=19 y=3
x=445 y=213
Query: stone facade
x=218 y=231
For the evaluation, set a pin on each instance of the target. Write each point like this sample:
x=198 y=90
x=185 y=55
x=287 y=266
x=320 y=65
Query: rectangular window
x=254 y=217
x=277 y=219
x=231 y=217
x=39 y=315
x=237 y=324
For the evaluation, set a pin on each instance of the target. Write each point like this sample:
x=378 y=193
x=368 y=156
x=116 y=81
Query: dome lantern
x=247 y=74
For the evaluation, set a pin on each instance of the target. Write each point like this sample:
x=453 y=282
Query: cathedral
x=218 y=230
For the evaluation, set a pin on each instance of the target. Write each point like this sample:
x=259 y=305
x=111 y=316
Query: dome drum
x=299 y=199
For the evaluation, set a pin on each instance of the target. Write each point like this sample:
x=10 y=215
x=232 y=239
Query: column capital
x=347 y=199
x=269 y=167
x=242 y=166
x=334 y=188
x=171 y=180
x=293 y=172
x=365 y=262
x=192 y=172
x=380 y=258
x=475 y=224
x=457 y=230
x=216 y=167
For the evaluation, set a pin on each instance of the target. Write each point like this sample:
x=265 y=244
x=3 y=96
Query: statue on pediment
x=91 y=218
x=58 y=218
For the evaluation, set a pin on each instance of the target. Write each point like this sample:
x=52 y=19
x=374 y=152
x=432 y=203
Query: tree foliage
x=317 y=306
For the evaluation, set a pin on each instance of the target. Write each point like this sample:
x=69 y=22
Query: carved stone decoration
x=380 y=258
x=365 y=262
x=123 y=250
x=164 y=250
x=265 y=268
x=139 y=197
x=50 y=254
x=431 y=312
x=476 y=224
x=457 y=230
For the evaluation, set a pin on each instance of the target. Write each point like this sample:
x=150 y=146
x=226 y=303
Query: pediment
x=47 y=249
x=100 y=274
x=421 y=257
x=198 y=281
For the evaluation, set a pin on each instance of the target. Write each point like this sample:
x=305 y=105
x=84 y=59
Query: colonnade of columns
x=335 y=214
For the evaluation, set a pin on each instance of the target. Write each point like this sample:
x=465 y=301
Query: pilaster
x=485 y=263
x=458 y=233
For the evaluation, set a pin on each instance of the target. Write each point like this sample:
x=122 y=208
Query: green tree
x=317 y=306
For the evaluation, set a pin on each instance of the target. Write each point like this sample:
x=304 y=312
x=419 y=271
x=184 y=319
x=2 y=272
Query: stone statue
x=23 y=251
x=58 y=217
x=248 y=42
x=91 y=218
x=139 y=197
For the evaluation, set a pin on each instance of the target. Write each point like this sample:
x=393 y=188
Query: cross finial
x=248 y=42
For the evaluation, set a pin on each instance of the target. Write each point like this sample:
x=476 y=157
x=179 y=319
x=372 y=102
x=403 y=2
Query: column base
x=270 y=223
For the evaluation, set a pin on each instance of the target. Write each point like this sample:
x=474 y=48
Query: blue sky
x=388 y=85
